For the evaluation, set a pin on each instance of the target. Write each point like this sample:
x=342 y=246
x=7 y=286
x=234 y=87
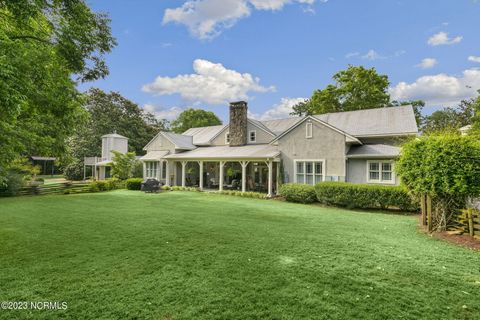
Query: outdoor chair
x=151 y=185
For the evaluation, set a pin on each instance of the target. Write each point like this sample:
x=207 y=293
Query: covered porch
x=246 y=168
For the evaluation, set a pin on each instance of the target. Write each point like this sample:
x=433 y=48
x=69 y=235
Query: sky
x=176 y=54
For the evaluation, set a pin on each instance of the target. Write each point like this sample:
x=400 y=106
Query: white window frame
x=150 y=171
x=313 y=161
x=227 y=137
x=308 y=126
x=380 y=168
x=250 y=136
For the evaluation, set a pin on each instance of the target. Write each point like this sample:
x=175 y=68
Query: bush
x=134 y=183
x=74 y=170
x=364 y=196
x=255 y=195
x=295 y=192
x=106 y=185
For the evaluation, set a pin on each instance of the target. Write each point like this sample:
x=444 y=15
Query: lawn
x=185 y=255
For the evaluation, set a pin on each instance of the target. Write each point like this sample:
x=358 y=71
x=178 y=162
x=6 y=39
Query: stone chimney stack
x=238 y=123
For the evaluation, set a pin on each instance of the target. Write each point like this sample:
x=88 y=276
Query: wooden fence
x=53 y=188
x=466 y=222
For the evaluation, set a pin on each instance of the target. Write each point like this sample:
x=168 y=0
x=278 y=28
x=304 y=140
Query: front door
x=260 y=174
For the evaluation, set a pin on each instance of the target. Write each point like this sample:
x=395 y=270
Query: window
x=164 y=170
x=252 y=136
x=309 y=172
x=380 y=172
x=227 y=138
x=152 y=169
x=309 y=130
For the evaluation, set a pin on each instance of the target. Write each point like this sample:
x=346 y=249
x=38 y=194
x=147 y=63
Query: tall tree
x=44 y=45
x=355 y=88
x=450 y=119
x=192 y=118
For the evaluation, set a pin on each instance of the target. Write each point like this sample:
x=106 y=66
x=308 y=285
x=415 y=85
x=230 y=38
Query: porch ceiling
x=259 y=151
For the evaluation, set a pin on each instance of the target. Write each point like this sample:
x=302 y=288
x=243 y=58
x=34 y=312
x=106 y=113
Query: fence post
x=429 y=213
x=470 y=222
x=423 y=209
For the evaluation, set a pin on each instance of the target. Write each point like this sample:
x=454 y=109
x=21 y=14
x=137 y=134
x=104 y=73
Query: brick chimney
x=238 y=123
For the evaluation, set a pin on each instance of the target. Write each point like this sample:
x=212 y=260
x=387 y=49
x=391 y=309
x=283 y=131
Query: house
x=251 y=155
x=101 y=165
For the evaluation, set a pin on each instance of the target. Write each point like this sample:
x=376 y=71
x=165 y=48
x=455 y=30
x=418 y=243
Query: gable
x=159 y=143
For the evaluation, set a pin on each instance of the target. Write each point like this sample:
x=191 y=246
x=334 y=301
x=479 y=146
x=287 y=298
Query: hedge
x=106 y=185
x=134 y=183
x=256 y=195
x=365 y=196
x=295 y=192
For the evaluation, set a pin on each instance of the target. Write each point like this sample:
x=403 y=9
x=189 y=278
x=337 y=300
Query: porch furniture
x=151 y=185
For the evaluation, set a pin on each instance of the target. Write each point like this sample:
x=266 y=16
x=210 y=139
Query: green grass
x=186 y=255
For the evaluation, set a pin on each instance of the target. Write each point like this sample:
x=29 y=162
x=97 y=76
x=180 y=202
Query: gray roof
x=257 y=151
x=281 y=125
x=43 y=158
x=181 y=141
x=261 y=125
x=374 y=122
x=203 y=135
x=114 y=135
x=154 y=155
x=373 y=150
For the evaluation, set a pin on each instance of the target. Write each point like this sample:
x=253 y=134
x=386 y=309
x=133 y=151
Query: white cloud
x=163 y=113
x=372 y=55
x=279 y=110
x=474 y=59
x=351 y=54
x=440 y=89
x=427 y=63
x=211 y=83
x=206 y=19
x=442 y=38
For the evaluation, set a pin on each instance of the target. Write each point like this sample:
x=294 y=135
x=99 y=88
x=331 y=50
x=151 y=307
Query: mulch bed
x=463 y=240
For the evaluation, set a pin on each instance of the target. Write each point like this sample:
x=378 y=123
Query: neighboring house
x=464 y=130
x=250 y=155
x=101 y=165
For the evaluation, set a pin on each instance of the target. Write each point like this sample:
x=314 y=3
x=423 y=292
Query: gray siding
x=357 y=171
x=326 y=144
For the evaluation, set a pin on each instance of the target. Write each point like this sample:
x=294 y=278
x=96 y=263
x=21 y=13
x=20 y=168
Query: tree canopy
x=355 y=88
x=44 y=45
x=192 y=118
x=450 y=119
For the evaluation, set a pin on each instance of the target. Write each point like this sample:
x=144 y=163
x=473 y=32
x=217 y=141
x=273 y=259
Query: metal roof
x=374 y=122
x=258 y=151
x=181 y=141
x=114 y=135
x=203 y=135
x=373 y=150
x=43 y=158
x=154 y=155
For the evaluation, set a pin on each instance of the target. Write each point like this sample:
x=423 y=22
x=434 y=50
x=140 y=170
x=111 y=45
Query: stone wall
x=238 y=124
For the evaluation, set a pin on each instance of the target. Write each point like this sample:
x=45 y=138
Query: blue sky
x=175 y=54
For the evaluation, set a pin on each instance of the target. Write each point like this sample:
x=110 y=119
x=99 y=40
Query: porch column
x=244 y=165
x=278 y=179
x=220 y=186
x=167 y=174
x=200 y=183
x=159 y=169
x=184 y=164
x=270 y=177
x=144 y=170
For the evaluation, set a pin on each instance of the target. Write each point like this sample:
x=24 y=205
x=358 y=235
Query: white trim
x=250 y=135
x=319 y=121
x=305 y=172
x=309 y=125
x=380 y=181
x=227 y=134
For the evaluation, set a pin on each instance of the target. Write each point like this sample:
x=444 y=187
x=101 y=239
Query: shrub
x=74 y=170
x=134 y=183
x=256 y=195
x=444 y=166
x=364 y=196
x=106 y=185
x=295 y=192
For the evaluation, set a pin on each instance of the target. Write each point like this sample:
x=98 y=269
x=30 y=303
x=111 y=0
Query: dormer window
x=227 y=138
x=252 y=136
x=309 y=130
